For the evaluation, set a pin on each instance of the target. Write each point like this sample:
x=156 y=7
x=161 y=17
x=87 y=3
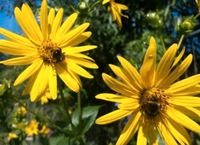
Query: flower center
x=50 y=52
x=153 y=102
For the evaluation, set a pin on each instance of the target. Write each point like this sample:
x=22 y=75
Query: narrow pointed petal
x=183 y=120
x=141 y=138
x=44 y=19
x=19 y=60
x=67 y=25
x=105 y=1
x=24 y=24
x=130 y=129
x=176 y=73
x=178 y=132
x=64 y=40
x=27 y=12
x=67 y=79
x=164 y=67
x=178 y=58
x=184 y=84
x=189 y=111
x=131 y=72
x=52 y=82
x=166 y=135
x=17 y=38
x=13 y=48
x=28 y=72
x=129 y=104
x=112 y=97
x=79 y=70
x=148 y=67
x=117 y=85
x=112 y=117
x=78 y=49
x=79 y=39
x=187 y=101
x=40 y=84
x=56 y=23
x=51 y=17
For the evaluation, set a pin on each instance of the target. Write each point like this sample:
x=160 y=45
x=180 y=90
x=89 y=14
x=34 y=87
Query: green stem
x=181 y=40
x=64 y=102
x=92 y=6
x=197 y=15
x=79 y=107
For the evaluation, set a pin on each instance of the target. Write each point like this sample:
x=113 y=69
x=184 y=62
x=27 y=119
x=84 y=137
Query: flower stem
x=181 y=40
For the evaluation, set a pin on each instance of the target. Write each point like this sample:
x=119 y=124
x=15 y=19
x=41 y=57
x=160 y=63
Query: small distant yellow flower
x=12 y=136
x=32 y=128
x=151 y=99
x=21 y=111
x=116 y=10
x=45 y=130
x=50 y=49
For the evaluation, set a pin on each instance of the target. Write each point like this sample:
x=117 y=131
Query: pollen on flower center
x=50 y=52
x=153 y=102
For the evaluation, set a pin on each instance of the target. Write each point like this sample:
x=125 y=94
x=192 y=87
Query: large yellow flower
x=50 y=48
x=151 y=99
x=116 y=10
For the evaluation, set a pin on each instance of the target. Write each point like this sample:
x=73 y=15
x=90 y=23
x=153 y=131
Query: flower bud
x=187 y=25
x=154 y=19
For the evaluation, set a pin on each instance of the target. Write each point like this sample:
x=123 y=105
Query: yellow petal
x=112 y=97
x=117 y=86
x=141 y=137
x=129 y=104
x=113 y=116
x=44 y=19
x=166 y=135
x=79 y=56
x=178 y=58
x=27 y=12
x=24 y=24
x=179 y=133
x=122 y=6
x=176 y=73
x=67 y=25
x=130 y=129
x=83 y=62
x=105 y=1
x=79 y=70
x=51 y=17
x=76 y=77
x=78 y=49
x=28 y=72
x=187 y=101
x=52 y=82
x=13 y=48
x=164 y=67
x=56 y=23
x=40 y=84
x=64 y=40
x=30 y=83
x=119 y=73
x=183 y=120
x=20 y=60
x=148 y=67
x=67 y=79
x=17 y=38
x=184 y=84
x=79 y=39
x=131 y=72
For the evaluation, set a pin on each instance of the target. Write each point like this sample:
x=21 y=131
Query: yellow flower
x=12 y=136
x=151 y=99
x=21 y=111
x=32 y=128
x=45 y=130
x=50 y=49
x=116 y=10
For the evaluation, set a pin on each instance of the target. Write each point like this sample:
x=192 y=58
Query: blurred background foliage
x=168 y=21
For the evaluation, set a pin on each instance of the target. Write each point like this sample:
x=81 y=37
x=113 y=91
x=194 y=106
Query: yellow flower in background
x=151 y=99
x=12 y=136
x=116 y=10
x=32 y=128
x=44 y=130
x=50 y=49
x=21 y=111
